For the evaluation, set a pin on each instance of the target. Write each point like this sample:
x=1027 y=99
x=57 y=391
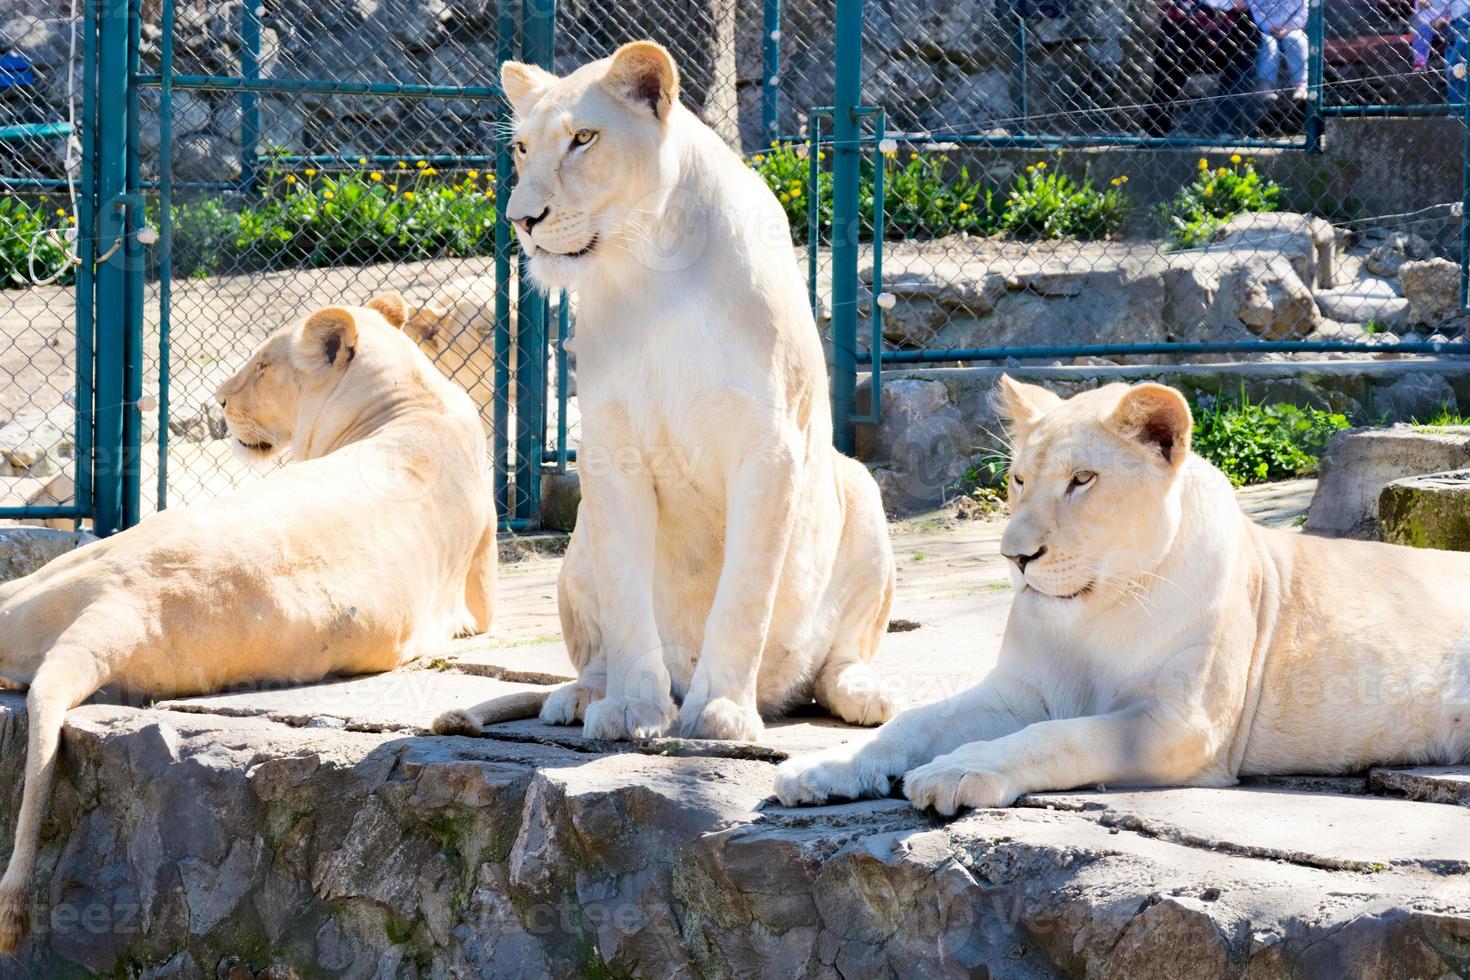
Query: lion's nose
x=1023 y=560
x=528 y=221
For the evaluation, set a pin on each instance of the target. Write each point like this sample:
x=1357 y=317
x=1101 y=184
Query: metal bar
x=111 y=281
x=516 y=524
x=165 y=244
x=875 y=316
x=291 y=86
x=813 y=205
x=250 y=11
x=1442 y=109
x=563 y=328
x=36 y=131
x=771 y=71
x=41 y=182
x=538 y=46
x=500 y=434
x=1061 y=141
x=1025 y=70
x=83 y=462
x=549 y=457
x=1313 y=125
x=437 y=159
x=1465 y=184
x=48 y=512
x=1114 y=350
x=847 y=96
x=133 y=286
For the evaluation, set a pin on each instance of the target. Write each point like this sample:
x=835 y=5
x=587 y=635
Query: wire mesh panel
x=308 y=154
x=1104 y=182
x=43 y=375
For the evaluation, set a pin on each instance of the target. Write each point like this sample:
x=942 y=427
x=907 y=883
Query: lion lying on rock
x=366 y=552
x=724 y=552
x=1159 y=637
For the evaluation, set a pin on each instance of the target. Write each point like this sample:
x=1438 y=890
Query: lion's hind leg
x=847 y=683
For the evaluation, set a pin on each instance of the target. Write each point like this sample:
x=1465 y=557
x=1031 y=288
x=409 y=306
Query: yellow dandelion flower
x=796 y=192
x=362 y=161
x=1124 y=178
x=328 y=195
x=759 y=159
x=963 y=207
x=1031 y=168
x=1209 y=192
x=429 y=171
x=821 y=155
x=393 y=187
x=290 y=178
x=1204 y=164
x=785 y=198
x=1116 y=181
x=311 y=171
x=775 y=144
x=1041 y=165
x=891 y=154
x=1222 y=172
x=473 y=175
x=1235 y=158
x=376 y=175
x=408 y=195
x=402 y=165
x=60 y=212
x=71 y=219
x=913 y=156
x=421 y=164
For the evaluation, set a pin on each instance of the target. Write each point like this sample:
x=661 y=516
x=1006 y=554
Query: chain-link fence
x=1119 y=181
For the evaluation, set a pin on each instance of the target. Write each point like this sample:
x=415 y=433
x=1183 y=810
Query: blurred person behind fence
x=1200 y=37
x=1283 y=38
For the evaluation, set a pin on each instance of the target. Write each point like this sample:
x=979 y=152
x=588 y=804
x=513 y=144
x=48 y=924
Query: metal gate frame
x=848 y=143
x=112 y=234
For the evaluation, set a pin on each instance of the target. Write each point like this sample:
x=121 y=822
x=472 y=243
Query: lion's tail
x=507 y=707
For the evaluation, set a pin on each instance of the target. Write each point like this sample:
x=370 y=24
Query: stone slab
x=1359 y=464
x=1321 y=830
x=23 y=550
x=1430 y=784
x=1429 y=511
x=404 y=700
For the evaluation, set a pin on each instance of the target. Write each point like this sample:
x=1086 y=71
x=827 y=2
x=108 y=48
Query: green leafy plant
x=1214 y=197
x=1448 y=415
x=1254 y=443
x=27 y=225
x=1049 y=204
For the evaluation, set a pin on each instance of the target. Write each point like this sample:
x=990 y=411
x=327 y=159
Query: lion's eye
x=520 y=147
x=1019 y=482
x=1082 y=478
x=582 y=137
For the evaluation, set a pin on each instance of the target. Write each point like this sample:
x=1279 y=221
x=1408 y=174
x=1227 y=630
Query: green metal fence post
x=1465 y=182
x=846 y=157
x=538 y=46
x=111 y=277
x=165 y=241
x=83 y=461
x=505 y=50
x=249 y=101
x=771 y=72
x=1314 y=123
x=133 y=261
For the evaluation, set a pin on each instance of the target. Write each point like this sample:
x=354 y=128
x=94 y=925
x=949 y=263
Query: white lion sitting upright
x=724 y=550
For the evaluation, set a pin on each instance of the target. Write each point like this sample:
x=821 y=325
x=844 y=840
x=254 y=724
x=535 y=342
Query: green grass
x=1255 y=443
x=1447 y=415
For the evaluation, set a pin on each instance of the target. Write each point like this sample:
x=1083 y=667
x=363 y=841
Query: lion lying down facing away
x=1159 y=637
x=365 y=553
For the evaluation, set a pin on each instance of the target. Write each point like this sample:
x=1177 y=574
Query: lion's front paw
x=859 y=697
x=457 y=722
x=720 y=718
x=843 y=773
x=947 y=784
x=568 y=704
x=620 y=719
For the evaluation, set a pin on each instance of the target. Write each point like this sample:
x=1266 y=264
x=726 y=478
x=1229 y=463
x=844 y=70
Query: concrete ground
x=319 y=831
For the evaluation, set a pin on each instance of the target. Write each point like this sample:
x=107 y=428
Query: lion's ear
x=328 y=340
x=424 y=322
x=1157 y=416
x=390 y=306
x=524 y=84
x=1023 y=405
x=644 y=73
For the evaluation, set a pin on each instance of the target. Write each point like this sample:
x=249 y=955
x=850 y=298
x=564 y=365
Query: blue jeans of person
x=1293 y=46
